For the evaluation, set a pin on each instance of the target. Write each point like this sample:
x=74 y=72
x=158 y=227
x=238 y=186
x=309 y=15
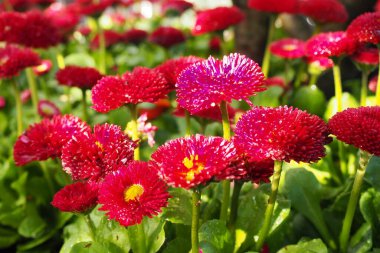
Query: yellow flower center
x=133 y=192
x=100 y=146
x=195 y=167
x=289 y=47
x=42 y=67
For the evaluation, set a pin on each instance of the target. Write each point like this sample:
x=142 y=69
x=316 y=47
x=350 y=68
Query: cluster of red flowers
x=14 y=59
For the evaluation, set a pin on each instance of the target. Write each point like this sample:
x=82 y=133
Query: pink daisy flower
x=91 y=157
x=289 y=6
x=365 y=28
x=81 y=77
x=193 y=160
x=175 y=7
x=367 y=56
x=47 y=109
x=207 y=83
x=131 y=193
x=323 y=11
x=288 y=48
x=43 y=68
x=281 y=134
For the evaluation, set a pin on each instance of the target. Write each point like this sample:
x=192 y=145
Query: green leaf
x=313 y=246
x=179 y=207
x=303 y=191
x=372 y=173
x=216 y=233
x=370 y=207
x=361 y=241
x=7 y=237
x=348 y=101
x=178 y=245
x=80 y=59
x=32 y=225
x=89 y=247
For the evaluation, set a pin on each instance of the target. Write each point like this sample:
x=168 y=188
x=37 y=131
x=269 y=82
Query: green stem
x=47 y=176
x=313 y=79
x=44 y=86
x=84 y=105
x=342 y=159
x=141 y=238
x=90 y=225
x=338 y=87
x=353 y=201
x=266 y=58
x=299 y=76
x=33 y=89
x=135 y=132
x=187 y=123
x=378 y=84
x=287 y=72
x=363 y=90
x=18 y=107
x=195 y=221
x=226 y=183
x=270 y=207
x=235 y=203
x=102 y=49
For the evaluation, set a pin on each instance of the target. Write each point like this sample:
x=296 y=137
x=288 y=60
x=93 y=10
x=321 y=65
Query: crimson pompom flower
x=359 y=127
x=14 y=59
x=372 y=85
x=289 y=6
x=217 y=19
x=43 y=68
x=365 y=28
x=93 y=156
x=330 y=44
x=47 y=109
x=173 y=67
x=288 y=48
x=63 y=17
x=3 y=102
x=110 y=37
x=134 y=36
x=367 y=56
x=90 y=7
x=81 y=77
x=175 y=7
x=131 y=193
x=140 y=85
x=45 y=139
x=79 y=197
x=167 y=36
x=281 y=134
x=207 y=83
x=323 y=11
x=193 y=160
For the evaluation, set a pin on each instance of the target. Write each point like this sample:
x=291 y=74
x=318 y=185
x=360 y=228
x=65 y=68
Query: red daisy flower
x=14 y=59
x=43 y=68
x=193 y=160
x=288 y=48
x=175 y=7
x=93 y=156
x=167 y=36
x=365 y=28
x=281 y=134
x=330 y=44
x=45 y=139
x=212 y=20
x=63 y=17
x=207 y=83
x=3 y=102
x=47 y=109
x=363 y=129
x=90 y=7
x=141 y=85
x=173 y=67
x=131 y=193
x=289 y=6
x=79 y=197
x=321 y=63
x=372 y=85
x=367 y=56
x=81 y=77
x=110 y=37
x=323 y=11
x=275 y=81
x=135 y=36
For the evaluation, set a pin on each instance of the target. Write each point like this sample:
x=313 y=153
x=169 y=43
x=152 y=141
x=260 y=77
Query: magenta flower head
x=140 y=85
x=359 y=127
x=134 y=36
x=281 y=134
x=133 y=192
x=167 y=36
x=365 y=28
x=47 y=109
x=330 y=44
x=63 y=17
x=173 y=67
x=175 y=7
x=207 y=83
x=193 y=160
x=81 y=77
x=366 y=56
x=91 y=157
x=45 y=139
x=323 y=11
x=14 y=59
x=289 y=6
x=213 y=20
x=288 y=48
x=79 y=197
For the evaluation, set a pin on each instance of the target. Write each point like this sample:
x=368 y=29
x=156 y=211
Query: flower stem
x=48 y=178
x=287 y=72
x=270 y=207
x=33 y=89
x=378 y=84
x=195 y=221
x=226 y=183
x=90 y=225
x=300 y=72
x=141 y=238
x=84 y=105
x=235 y=203
x=353 y=201
x=187 y=123
x=135 y=133
x=363 y=90
x=102 y=49
x=18 y=107
x=338 y=86
x=313 y=79
x=266 y=58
